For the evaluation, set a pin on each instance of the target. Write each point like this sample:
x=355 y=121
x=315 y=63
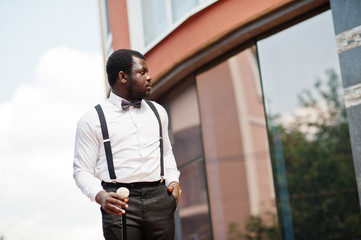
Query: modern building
x=263 y=100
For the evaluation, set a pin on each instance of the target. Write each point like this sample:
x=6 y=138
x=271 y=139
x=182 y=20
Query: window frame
x=106 y=29
x=136 y=27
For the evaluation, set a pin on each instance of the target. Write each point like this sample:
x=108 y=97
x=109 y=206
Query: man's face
x=139 y=80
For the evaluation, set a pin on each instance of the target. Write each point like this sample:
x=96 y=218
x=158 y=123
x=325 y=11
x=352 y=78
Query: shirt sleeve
x=170 y=166
x=86 y=153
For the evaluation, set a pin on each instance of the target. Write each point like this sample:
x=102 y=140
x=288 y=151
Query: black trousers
x=150 y=214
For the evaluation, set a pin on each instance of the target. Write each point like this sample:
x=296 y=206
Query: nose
x=148 y=78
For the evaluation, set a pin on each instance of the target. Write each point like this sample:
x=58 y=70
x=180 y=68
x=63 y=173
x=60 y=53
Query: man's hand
x=175 y=189
x=112 y=202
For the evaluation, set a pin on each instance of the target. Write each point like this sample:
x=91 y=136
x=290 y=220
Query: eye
x=144 y=72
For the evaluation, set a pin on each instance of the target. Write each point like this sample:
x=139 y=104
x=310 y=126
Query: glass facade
x=308 y=133
x=262 y=142
x=192 y=217
x=236 y=149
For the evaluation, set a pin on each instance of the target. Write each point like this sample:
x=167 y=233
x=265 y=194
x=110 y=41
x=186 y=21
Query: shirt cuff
x=92 y=193
x=172 y=177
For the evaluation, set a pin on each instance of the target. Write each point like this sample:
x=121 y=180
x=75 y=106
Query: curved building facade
x=263 y=108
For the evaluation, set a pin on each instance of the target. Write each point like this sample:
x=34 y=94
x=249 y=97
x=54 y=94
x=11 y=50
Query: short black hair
x=120 y=60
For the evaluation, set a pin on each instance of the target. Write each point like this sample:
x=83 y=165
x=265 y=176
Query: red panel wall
x=118 y=18
x=196 y=33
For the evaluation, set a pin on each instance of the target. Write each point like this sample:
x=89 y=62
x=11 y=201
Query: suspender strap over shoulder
x=151 y=105
x=106 y=141
x=107 y=146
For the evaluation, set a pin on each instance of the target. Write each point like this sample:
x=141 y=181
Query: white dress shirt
x=134 y=137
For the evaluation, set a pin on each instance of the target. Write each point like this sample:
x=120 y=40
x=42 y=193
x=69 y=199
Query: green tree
x=319 y=167
x=256 y=229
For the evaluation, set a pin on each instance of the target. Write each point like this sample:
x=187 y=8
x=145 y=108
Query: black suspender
x=106 y=141
x=151 y=105
x=107 y=146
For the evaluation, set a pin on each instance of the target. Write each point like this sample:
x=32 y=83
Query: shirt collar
x=115 y=99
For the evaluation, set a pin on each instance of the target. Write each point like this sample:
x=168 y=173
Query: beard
x=137 y=92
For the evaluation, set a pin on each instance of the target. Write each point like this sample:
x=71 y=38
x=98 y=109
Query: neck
x=121 y=94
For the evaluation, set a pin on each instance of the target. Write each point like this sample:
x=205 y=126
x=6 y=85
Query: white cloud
x=302 y=116
x=39 y=199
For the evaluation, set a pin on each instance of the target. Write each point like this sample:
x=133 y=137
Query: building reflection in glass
x=238 y=165
x=193 y=214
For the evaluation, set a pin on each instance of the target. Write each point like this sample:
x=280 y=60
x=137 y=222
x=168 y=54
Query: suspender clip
x=106 y=140
x=161 y=179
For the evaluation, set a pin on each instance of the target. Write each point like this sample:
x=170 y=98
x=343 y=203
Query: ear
x=122 y=77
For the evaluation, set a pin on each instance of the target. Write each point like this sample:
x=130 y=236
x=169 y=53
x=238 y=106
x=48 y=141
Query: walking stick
x=124 y=227
x=124 y=193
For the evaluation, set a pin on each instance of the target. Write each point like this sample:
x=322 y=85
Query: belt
x=133 y=185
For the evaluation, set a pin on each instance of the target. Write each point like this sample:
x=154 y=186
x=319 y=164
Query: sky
x=292 y=61
x=51 y=72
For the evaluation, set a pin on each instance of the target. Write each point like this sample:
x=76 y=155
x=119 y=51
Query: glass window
x=155 y=19
x=308 y=133
x=192 y=217
x=107 y=25
x=158 y=19
x=181 y=7
x=238 y=165
x=104 y=9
